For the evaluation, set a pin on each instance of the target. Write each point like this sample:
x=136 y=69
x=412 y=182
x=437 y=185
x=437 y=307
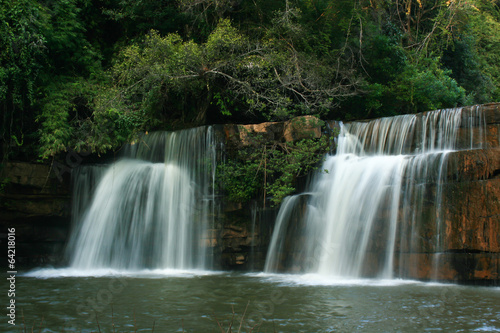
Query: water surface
x=200 y=301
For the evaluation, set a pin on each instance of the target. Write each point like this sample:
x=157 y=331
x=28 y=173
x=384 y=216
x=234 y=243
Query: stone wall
x=37 y=205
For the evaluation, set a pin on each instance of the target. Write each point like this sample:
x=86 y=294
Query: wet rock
x=472 y=216
x=470 y=268
x=476 y=164
x=238 y=136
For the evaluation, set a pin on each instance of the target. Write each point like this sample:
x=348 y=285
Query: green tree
x=43 y=46
x=399 y=47
x=21 y=61
x=211 y=61
x=485 y=31
x=69 y=52
x=131 y=19
x=266 y=79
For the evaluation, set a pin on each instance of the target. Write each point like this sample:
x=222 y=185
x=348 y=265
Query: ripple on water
x=290 y=303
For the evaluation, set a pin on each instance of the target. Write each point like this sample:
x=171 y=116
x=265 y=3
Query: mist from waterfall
x=365 y=203
x=149 y=210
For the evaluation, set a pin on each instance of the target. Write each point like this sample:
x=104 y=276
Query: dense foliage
x=269 y=168
x=91 y=74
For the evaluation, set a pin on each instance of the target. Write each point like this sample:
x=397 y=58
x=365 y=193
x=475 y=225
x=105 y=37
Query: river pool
x=62 y=300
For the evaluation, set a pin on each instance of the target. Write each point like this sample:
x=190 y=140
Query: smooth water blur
x=150 y=209
x=177 y=301
x=371 y=195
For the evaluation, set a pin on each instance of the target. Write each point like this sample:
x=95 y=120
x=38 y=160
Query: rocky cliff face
x=471 y=201
x=469 y=249
x=37 y=204
x=461 y=244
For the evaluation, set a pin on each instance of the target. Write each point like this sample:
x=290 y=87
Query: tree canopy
x=92 y=74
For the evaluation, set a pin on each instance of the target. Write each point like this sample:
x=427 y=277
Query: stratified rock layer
x=37 y=205
x=454 y=240
x=35 y=201
x=460 y=243
x=470 y=240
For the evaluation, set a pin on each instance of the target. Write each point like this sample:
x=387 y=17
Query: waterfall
x=150 y=209
x=365 y=206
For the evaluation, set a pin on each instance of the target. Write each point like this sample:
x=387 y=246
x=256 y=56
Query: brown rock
x=20 y=206
x=491 y=113
x=255 y=134
x=472 y=217
x=476 y=164
x=306 y=127
x=457 y=267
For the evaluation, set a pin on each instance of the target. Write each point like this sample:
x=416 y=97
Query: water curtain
x=151 y=209
x=365 y=205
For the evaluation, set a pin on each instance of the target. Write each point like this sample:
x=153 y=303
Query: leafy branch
x=269 y=168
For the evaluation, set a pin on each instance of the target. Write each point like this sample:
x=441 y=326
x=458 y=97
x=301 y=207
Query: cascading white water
x=378 y=178
x=150 y=209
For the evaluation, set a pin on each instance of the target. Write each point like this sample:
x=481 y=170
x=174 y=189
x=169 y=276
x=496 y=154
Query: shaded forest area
x=93 y=74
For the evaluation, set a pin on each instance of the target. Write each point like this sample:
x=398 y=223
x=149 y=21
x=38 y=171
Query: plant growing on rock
x=269 y=168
